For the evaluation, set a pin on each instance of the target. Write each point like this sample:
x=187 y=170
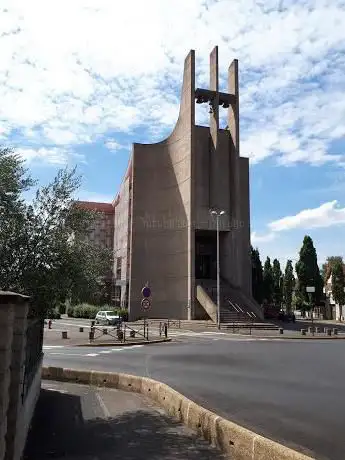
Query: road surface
x=290 y=391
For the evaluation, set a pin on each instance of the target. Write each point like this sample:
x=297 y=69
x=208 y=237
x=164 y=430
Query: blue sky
x=82 y=80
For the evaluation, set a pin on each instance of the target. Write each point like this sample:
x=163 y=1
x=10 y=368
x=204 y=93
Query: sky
x=82 y=80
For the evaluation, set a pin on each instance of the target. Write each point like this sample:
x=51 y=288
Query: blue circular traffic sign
x=146 y=291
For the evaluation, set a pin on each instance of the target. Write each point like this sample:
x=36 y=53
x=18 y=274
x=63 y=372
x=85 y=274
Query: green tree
x=257 y=276
x=328 y=266
x=268 y=281
x=308 y=274
x=38 y=255
x=289 y=285
x=277 y=283
x=338 y=284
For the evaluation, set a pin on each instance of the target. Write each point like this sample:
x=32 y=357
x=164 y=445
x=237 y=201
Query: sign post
x=146 y=304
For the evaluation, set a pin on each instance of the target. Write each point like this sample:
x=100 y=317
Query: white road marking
x=102 y=405
x=49 y=347
x=212 y=332
x=105 y=351
x=117 y=349
x=92 y=354
x=135 y=346
x=67 y=354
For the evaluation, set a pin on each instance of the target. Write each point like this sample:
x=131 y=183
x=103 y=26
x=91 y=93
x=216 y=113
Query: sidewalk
x=78 y=422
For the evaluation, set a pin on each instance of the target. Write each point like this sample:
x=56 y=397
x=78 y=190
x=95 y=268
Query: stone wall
x=17 y=400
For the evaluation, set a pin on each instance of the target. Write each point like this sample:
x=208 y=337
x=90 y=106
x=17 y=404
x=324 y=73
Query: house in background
x=337 y=312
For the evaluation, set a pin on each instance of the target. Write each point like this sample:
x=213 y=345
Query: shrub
x=89 y=311
x=123 y=313
x=62 y=308
x=70 y=311
x=53 y=314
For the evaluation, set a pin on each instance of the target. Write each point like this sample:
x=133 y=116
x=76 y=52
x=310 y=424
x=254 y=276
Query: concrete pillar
x=21 y=306
x=215 y=193
x=187 y=117
x=234 y=130
x=6 y=337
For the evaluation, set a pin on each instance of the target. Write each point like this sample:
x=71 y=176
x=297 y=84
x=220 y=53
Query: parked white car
x=107 y=318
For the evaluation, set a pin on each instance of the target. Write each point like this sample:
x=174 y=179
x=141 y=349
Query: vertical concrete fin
x=234 y=109
x=214 y=86
x=214 y=76
x=187 y=105
x=235 y=185
x=214 y=130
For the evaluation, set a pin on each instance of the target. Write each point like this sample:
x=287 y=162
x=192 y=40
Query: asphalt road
x=290 y=391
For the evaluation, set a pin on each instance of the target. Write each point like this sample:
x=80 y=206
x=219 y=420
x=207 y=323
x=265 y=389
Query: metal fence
x=33 y=352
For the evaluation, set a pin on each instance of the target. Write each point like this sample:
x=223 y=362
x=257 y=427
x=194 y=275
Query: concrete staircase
x=235 y=308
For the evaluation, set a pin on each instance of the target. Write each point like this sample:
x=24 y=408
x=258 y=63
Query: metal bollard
x=303 y=331
x=91 y=335
x=329 y=332
x=81 y=329
x=166 y=330
x=325 y=330
x=317 y=330
x=64 y=334
x=281 y=331
x=335 y=331
x=310 y=330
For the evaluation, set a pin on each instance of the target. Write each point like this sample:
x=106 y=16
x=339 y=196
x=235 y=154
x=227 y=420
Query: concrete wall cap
x=13 y=294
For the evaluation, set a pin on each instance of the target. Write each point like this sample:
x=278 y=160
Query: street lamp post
x=310 y=290
x=218 y=214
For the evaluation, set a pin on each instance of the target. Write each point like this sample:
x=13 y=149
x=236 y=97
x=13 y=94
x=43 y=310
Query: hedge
x=90 y=311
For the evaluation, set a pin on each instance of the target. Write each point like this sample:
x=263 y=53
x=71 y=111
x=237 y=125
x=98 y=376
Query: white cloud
x=257 y=239
x=114 y=146
x=326 y=215
x=78 y=75
x=54 y=155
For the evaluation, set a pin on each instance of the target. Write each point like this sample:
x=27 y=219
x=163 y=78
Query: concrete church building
x=164 y=233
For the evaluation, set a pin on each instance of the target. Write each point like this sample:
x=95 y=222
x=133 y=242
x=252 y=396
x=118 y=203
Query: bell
x=199 y=100
x=226 y=105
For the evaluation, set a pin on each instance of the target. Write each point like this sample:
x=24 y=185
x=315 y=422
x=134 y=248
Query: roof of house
x=107 y=208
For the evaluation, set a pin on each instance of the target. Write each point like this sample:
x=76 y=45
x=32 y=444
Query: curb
x=338 y=337
x=237 y=442
x=117 y=344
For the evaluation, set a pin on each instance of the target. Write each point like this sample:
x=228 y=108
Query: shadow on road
x=59 y=431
